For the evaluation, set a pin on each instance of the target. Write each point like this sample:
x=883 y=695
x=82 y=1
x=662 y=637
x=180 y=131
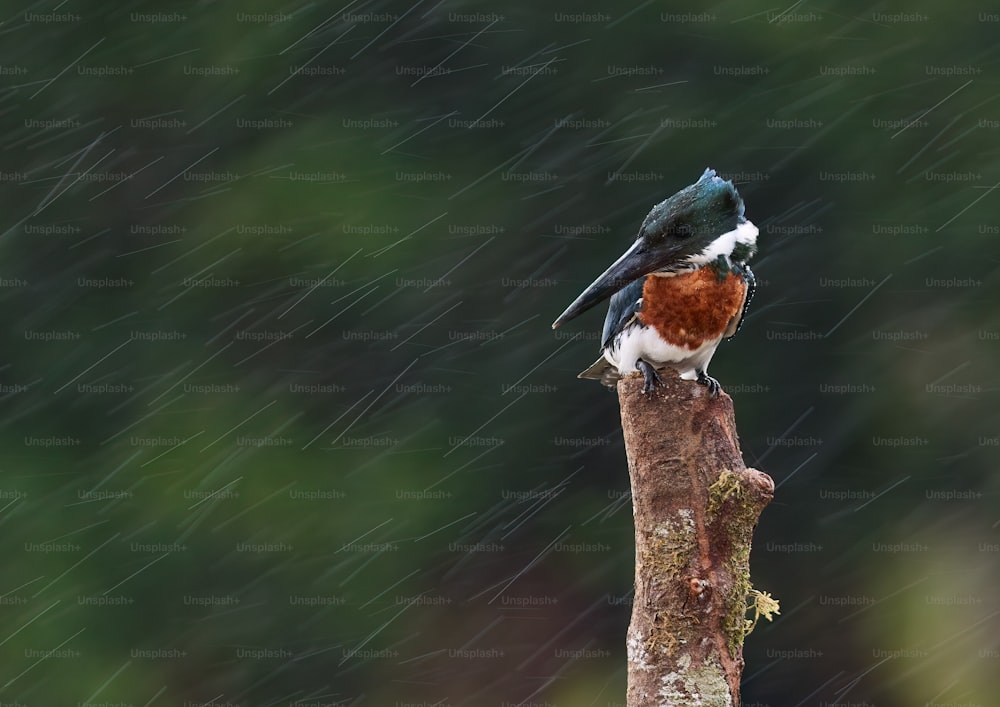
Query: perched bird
x=682 y=287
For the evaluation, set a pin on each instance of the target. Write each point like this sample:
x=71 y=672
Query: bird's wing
x=751 y=282
x=622 y=310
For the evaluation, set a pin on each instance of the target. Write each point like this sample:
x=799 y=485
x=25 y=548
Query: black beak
x=637 y=261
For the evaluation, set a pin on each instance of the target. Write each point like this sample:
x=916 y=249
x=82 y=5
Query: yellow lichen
x=761 y=604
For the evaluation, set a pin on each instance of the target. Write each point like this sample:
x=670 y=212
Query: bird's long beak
x=637 y=261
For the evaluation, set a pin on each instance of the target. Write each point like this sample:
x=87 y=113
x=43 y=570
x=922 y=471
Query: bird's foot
x=649 y=375
x=709 y=382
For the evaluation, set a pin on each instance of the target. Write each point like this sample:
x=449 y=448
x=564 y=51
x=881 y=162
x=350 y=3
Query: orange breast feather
x=694 y=307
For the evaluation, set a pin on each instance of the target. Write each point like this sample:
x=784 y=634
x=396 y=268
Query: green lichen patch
x=668 y=553
x=671 y=546
x=728 y=485
x=734 y=623
x=730 y=506
x=662 y=639
x=703 y=684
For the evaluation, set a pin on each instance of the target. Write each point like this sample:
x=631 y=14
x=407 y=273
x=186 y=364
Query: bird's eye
x=683 y=230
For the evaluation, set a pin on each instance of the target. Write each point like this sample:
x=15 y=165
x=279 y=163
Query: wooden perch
x=695 y=508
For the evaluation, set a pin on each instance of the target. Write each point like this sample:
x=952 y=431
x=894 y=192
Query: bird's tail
x=602 y=371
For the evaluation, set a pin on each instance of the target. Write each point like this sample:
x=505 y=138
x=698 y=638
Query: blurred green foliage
x=284 y=419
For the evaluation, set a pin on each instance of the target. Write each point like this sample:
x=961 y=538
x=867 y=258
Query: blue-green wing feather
x=624 y=305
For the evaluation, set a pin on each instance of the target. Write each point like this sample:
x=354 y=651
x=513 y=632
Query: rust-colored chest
x=691 y=308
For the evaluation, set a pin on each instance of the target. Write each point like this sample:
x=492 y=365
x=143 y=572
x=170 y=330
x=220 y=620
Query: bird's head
x=694 y=227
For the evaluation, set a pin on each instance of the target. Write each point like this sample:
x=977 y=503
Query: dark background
x=283 y=419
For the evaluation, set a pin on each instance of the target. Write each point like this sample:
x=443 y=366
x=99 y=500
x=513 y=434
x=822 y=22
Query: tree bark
x=695 y=506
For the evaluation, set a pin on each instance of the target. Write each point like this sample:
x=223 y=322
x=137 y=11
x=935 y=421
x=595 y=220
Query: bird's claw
x=709 y=382
x=651 y=378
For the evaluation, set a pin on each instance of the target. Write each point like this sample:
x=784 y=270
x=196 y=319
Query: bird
x=682 y=287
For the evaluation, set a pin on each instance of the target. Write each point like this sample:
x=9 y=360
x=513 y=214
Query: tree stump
x=695 y=506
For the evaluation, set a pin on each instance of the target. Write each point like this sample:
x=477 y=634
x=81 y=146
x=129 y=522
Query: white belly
x=643 y=342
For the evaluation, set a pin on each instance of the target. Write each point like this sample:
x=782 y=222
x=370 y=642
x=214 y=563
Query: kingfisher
x=681 y=288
